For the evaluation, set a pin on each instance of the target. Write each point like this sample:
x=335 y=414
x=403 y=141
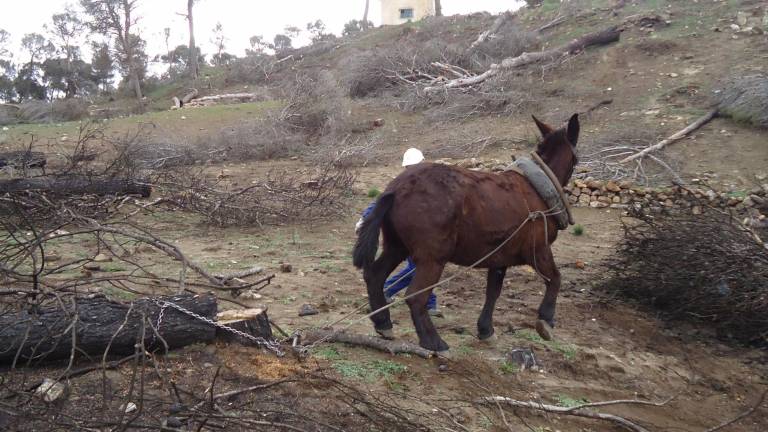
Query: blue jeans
x=394 y=284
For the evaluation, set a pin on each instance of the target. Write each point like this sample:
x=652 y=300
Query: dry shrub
x=36 y=111
x=499 y=96
x=446 y=40
x=745 y=99
x=350 y=151
x=315 y=105
x=510 y=41
x=704 y=268
x=601 y=155
x=282 y=197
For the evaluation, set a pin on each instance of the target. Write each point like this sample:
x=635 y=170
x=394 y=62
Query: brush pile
x=705 y=268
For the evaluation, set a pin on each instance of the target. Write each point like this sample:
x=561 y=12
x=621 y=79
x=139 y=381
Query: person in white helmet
x=402 y=279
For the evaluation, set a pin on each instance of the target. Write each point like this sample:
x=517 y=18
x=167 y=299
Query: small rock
x=459 y=329
x=52 y=257
x=51 y=390
x=176 y=408
x=173 y=422
x=91 y=266
x=5 y=128
x=579 y=264
x=131 y=407
x=619 y=206
x=741 y=18
x=523 y=358
x=673 y=75
x=576 y=192
x=735 y=27
x=584 y=199
x=307 y=309
x=102 y=258
x=696 y=210
x=286 y=268
x=598 y=204
x=442 y=368
x=612 y=186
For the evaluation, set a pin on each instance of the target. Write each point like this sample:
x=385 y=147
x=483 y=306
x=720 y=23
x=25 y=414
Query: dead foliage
x=436 y=50
x=281 y=197
x=745 y=99
x=601 y=156
x=706 y=268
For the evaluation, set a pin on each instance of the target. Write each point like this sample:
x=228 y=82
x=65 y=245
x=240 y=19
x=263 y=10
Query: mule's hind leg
x=375 y=276
x=492 y=291
x=426 y=274
x=544 y=263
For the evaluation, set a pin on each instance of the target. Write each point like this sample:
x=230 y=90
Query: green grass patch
x=508 y=368
x=569 y=402
x=578 y=230
x=328 y=353
x=369 y=371
x=373 y=192
x=567 y=350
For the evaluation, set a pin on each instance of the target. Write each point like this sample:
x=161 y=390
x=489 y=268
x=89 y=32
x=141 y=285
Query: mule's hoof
x=486 y=336
x=387 y=334
x=544 y=330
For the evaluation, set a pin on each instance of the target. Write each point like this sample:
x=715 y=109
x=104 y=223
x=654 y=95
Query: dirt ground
x=604 y=349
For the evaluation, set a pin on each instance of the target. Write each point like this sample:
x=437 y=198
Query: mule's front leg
x=426 y=274
x=492 y=291
x=375 y=276
x=544 y=264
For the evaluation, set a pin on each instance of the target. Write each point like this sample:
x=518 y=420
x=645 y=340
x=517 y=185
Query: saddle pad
x=546 y=189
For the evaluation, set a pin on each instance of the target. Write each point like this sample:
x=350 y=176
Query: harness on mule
x=547 y=186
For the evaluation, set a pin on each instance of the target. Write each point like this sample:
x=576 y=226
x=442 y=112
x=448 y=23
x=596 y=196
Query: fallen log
x=22 y=159
x=77 y=186
x=231 y=97
x=178 y=103
x=599 y=38
x=96 y=325
x=701 y=121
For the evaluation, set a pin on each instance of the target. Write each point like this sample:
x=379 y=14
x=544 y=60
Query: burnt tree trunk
x=99 y=323
x=67 y=187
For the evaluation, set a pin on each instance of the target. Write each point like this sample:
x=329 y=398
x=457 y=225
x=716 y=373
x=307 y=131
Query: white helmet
x=412 y=156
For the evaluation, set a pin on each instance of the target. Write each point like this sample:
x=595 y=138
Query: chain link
x=271 y=345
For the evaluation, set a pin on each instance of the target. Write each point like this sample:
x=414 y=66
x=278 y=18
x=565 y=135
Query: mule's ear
x=544 y=128
x=573 y=129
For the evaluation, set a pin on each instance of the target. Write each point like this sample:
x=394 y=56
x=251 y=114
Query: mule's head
x=557 y=147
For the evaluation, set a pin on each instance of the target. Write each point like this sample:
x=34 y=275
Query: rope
x=531 y=216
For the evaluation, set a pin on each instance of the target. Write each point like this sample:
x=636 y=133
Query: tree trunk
x=133 y=74
x=364 y=25
x=99 y=323
x=438 y=8
x=192 y=63
x=76 y=186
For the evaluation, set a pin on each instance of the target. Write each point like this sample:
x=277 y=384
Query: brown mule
x=438 y=214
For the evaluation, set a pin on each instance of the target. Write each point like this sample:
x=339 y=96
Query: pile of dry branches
x=745 y=99
x=282 y=197
x=705 y=268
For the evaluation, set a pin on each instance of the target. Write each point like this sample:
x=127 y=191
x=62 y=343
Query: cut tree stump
x=250 y=321
x=77 y=186
x=99 y=323
x=22 y=159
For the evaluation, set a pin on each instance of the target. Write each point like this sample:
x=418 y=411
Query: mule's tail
x=368 y=239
